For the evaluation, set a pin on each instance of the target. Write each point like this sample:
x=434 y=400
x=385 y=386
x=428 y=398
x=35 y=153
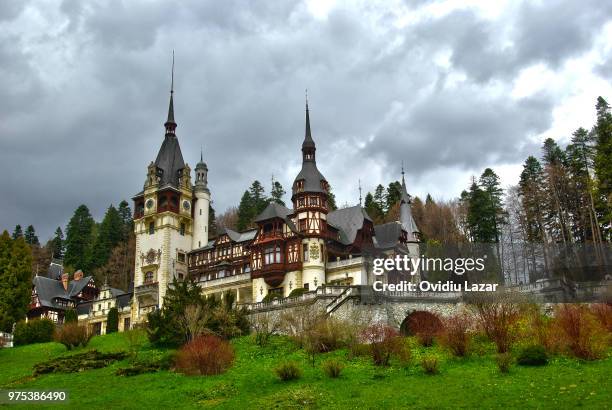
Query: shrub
x=70 y=316
x=265 y=325
x=542 y=331
x=205 y=355
x=270 y=297
x=603 y=313
x=534 y=355
x=288 y=371
x=430 y=364
x=497 y=315
x=73 y=335
x=425 y=326
x=384 y=341
x=297 y=292
x=112 y=321
x=165 y=362
x=33 y=331
x=503 y=360
x=332 y=368
x=455 y=334
x=582 y=335
x=78 y=362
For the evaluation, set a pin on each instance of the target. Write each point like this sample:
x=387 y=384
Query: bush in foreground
x=430 y=364
x=425 y=326
x=384 y=342
x=455 y=335
x=332 y=368
x=73 y=335
x=205 y=355
x=582 y=334
x=78 y=362
x=498 y=315
x=288 y=371
x=33 y=331
x=534 y=355
x=71 y=316
x=112 y=321
x=503 y=360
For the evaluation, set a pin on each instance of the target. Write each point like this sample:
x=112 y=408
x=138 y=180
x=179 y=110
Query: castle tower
x=163 y=222
x=408 y=224
x=201 y=205
x=309 y=197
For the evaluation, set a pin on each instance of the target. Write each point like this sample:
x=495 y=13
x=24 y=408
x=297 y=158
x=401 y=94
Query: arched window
x=148 y=277
x=151 y=228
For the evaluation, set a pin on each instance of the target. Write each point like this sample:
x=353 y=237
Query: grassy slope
x=473 y=382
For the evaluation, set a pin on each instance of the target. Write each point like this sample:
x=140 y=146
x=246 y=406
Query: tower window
x=182 y=230
x=200 y=211
x=306 y=252
x=151 y=228
x=148 y=277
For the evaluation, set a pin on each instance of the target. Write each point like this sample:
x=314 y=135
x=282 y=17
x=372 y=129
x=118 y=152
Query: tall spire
x=308 y=146
x=359 y=192
x=170 y=123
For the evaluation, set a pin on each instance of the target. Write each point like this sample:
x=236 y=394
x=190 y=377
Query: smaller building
x=95 y=312
x=52 y=296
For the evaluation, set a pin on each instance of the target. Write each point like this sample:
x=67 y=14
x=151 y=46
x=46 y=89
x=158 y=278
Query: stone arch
x=417 y=320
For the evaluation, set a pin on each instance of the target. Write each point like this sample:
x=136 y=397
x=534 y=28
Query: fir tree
x=18 y=232
x=379 y=198
x=602 y=165
x=212 y=222
x=245 y=211
x=15 y=285
x=79 y=240
x=110 y=233
x=30 y=236
x=331 y=200
x=258 y=197
x=112 y=321
x=277 y=193
x=57 y=244
x=126 y=218
x=394 y=193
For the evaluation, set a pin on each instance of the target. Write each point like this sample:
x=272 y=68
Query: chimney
x=65 y=281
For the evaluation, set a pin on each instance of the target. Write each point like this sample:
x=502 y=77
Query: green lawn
x=251 y=383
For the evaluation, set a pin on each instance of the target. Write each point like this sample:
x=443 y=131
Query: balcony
x=227 y=280
x=345 y=262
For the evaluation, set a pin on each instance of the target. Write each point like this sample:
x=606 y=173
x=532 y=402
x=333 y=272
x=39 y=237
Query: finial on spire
x=170 y=123
x=172 y=76
x=359 y=192
x=201 y=153
x=403 y=181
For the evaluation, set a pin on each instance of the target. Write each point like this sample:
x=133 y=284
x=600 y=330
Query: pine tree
x=393 y=195
x=531 y=190
x=212 y=222
x=602 y=165
x=57 y=244
x=331 y=200
x=18 y=232
x=259 y=197
x=15 y=286
x=245 y=211
x=110 y=233
x=379 y=198
x=112 y=321
x=373 y=208
x=30 y=236
x=79 y=240
x=493 y=217
x=277 y=193
x=126 y=218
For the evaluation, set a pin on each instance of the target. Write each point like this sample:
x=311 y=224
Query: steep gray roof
x=48 y=289
x=312 y=177
x=387 y=235
x=348 y=221
x=406 y=218
x=241 y=236
x=55 y=270
x=273 y=210
x=170 y=160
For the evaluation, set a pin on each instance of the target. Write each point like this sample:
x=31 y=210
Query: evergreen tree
x=15 y=285
x=110 y=233
x=493 y=216
x=30 y=236
x=373 y=208
x=331 y=200
x=379 y=198
x=112 y=321
x=18 y=232
x=394 y=193
x=57 y=244
x=531 y=190
x=258 y=197
x=71 y=316
x=602 y=165
x=126 y=218
x=79 y=240
x=277 y=193
x=212 y=222
x=246 y=211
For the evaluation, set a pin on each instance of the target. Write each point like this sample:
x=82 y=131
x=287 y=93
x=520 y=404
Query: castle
x=290 y=252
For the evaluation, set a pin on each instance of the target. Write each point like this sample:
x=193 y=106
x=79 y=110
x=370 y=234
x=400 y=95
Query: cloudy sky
x=448 y=87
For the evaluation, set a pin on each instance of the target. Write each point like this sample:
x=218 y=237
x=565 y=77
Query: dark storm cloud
x=84 y=93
